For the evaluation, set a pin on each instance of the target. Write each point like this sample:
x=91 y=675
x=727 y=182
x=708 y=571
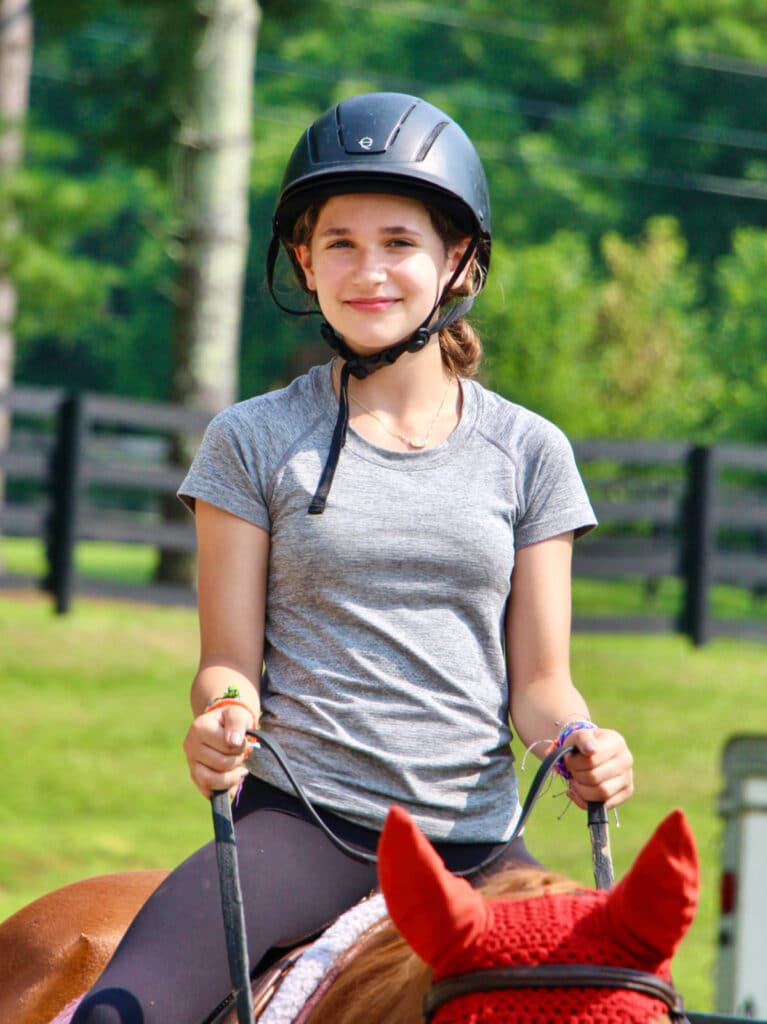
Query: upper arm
x=233 y=562
x=539 y=615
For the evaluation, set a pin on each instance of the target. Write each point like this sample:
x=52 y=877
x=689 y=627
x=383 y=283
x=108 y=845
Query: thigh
x=171 y=967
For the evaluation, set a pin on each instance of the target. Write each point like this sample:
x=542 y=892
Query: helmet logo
x=365 y=142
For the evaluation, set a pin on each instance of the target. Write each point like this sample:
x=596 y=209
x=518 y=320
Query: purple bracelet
x=559 y=767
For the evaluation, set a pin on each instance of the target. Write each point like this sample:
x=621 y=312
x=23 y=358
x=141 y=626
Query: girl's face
x=378 y=267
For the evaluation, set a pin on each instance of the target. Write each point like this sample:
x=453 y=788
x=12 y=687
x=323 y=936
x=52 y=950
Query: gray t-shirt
x=384 y=668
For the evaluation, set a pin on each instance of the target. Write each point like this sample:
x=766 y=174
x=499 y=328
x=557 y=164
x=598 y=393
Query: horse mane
x=386 y=981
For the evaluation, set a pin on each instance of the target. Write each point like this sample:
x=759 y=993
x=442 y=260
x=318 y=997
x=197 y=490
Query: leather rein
x=519 y=977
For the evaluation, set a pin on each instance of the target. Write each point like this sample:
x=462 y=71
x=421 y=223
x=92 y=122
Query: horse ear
x=438 y=914
x=654 y=904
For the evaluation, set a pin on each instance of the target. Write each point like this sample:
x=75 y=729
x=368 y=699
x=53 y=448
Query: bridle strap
x=554 y=976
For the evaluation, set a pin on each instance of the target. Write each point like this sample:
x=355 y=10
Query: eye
x=404 y=243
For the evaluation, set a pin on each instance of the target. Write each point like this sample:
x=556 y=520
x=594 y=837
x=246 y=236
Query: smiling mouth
x=376 y=305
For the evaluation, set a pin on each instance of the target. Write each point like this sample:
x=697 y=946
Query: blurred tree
x=621 y=356
x=537 y=319
x=647 y=356
x=214 y=165
x=739 y=337
x=15 y=65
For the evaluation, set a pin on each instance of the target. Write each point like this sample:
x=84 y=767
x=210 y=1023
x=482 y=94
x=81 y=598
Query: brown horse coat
x=54 y=949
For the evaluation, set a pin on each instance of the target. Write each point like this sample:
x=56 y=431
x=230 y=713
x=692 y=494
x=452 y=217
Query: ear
x=454 y=255
x=652 y=907
x=303 y=256
x=438 y=914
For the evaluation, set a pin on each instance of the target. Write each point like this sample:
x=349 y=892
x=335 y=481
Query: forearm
x=214 y=679
x=541 y=707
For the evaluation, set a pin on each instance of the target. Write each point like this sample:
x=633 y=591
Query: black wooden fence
x=90 y=467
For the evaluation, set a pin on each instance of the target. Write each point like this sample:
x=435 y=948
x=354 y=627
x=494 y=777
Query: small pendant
x=417 y=444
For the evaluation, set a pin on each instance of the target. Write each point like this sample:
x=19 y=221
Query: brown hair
x=459 y=342
x=386 y=981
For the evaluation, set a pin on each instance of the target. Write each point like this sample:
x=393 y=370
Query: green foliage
x=739 y=337
x=58 y=286
x=613 y=352
x=612 y=133
x=538 y=330
x=651 y=379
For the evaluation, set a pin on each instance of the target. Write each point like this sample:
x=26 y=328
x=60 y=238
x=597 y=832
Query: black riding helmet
x=387 y=142
x=395 y=144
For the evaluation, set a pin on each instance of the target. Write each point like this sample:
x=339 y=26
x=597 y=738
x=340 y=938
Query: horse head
x=635 y=927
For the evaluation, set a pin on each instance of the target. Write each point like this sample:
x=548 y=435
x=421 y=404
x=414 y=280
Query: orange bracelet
x=222 y=702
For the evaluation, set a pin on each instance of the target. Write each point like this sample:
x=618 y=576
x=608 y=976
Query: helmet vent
x=428 y=142
x=361 y=133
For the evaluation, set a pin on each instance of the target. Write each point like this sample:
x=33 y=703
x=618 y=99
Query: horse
x=527 y=946
x=53 y=949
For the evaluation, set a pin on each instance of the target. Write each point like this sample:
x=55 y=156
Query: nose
x=369 y=266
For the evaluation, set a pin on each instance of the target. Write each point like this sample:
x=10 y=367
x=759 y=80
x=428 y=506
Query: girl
x=384 y=570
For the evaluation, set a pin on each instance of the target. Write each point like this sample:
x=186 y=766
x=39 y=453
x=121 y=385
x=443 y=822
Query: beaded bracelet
x=229 y=698
x=572 y=727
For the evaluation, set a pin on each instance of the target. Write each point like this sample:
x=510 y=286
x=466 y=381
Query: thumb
x=235 y=721
x=585 y=741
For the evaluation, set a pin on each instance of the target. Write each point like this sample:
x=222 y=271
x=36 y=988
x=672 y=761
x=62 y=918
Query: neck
x=409 y=405
x=416 y=379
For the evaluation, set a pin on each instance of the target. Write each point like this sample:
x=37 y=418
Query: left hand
x=602 y=769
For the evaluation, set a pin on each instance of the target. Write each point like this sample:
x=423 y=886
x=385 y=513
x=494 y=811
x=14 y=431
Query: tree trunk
x=15 y=68
x=215 y=145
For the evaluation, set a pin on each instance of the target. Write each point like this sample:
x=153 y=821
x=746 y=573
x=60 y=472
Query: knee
x=109 y=1006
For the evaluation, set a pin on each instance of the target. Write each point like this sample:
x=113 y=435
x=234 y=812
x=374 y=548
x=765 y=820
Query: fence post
x=63 y=487
x=699 y=539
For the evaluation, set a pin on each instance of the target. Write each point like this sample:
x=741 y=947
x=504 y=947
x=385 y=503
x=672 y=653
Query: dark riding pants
x=171 y=966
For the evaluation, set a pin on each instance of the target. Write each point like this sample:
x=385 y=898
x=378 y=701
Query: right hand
x=216 y=749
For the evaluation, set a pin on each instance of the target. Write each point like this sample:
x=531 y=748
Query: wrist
x=565 y=732
x=231 y=698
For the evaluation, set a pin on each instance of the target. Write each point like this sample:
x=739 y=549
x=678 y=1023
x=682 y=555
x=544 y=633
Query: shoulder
x=514 y=429
x=274 y=417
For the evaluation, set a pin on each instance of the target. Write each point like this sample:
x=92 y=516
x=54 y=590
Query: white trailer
x=741 y=983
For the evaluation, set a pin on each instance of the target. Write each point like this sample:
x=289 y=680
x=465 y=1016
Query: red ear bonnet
x=439 y=915
x=652 y=907
x=638 y=924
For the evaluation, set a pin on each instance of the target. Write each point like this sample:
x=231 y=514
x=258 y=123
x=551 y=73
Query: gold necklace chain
x=417 y=443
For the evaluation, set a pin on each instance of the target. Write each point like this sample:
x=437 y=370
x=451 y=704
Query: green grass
x=124 y=562
x=95 y=707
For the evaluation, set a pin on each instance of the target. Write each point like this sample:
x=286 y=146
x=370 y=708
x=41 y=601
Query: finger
x=222 y=729
x=235 y=722
x=612 y=792
x=608 y=760
x=585 y=740
x=208 y=781
x=221 y=760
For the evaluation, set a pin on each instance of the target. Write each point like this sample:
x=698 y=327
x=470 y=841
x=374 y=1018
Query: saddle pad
x=318 y=959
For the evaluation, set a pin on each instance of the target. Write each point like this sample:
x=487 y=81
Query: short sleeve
x=225 y=472
x=552 y=495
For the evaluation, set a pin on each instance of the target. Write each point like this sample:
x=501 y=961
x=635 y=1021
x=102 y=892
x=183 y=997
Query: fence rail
x=92 y=467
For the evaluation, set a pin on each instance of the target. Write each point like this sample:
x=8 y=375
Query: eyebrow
x=397 y=229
